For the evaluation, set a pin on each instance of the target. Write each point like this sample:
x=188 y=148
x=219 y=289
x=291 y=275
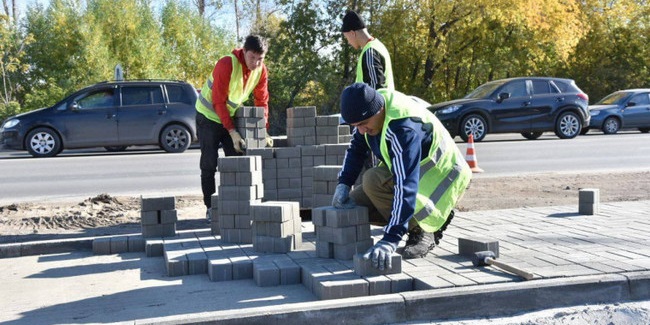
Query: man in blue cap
x=421 y=177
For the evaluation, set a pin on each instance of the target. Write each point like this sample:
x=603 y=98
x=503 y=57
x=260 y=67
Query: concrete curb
x=46 y=247
x=452 y=303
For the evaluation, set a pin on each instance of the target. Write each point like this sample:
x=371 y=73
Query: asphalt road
x=144 y=170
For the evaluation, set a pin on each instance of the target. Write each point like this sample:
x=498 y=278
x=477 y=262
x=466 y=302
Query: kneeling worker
x=421 y=177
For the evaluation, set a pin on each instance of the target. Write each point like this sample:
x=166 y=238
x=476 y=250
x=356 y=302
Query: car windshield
x=613 y=98
x=485 y=90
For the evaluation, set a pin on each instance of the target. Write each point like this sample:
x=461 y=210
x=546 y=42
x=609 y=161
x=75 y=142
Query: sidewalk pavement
x=577 y=259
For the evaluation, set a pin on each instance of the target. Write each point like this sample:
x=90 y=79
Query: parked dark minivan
x=526 y=105
x=113 y=115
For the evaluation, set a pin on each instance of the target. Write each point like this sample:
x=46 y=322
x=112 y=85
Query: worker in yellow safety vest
x=421 y=177
x=233 y=79
x=373 y=66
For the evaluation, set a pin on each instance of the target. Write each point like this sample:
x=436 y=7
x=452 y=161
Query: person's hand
x=269 y=142
x=342 y=199
x=380 y=254
x=237 y=141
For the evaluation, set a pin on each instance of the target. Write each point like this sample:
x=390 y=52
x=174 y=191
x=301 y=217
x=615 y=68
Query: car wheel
x=568 y=125
x=43 y=142
x=611 y=125
x=531 y=135
x=474 y=124
x=584 y=131
x=644 y=130
x=175 y=138
x=115 y=148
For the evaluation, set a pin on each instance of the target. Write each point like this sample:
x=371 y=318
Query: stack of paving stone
x=325 y=180
x=329 y=130
x=281 y=170
x=276 y=226
x=333 y=279
x=240 y=186
x=288 y=172
x=301 y=123
x=251 y=125
x=341 y=233
x=214 y=213
x=311 y=156
x=334 y=154
x=158 y=216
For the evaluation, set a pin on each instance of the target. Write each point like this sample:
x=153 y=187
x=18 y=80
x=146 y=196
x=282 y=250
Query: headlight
x=449 y=109
x=11 y=123
x=594 y=113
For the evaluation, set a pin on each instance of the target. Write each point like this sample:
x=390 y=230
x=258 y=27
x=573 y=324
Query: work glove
x=237 y=141
x=269 y=142
x=342 y=199
x=380 y=254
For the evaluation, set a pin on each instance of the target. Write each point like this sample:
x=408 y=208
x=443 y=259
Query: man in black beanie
x=421 y=177
x=373 y=67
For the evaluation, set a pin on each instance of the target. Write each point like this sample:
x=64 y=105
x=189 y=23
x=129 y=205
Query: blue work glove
x=380 y=254
x=341 y=199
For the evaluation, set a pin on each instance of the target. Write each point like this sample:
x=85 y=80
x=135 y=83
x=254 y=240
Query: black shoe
x=419 y=243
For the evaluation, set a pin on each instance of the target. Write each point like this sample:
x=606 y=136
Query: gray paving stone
x=119 y=244
x=340 y=286
x=153 y=203
x=220 y=269
x=101 y=246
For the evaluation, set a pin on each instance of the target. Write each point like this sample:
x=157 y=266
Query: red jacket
x=221 y=76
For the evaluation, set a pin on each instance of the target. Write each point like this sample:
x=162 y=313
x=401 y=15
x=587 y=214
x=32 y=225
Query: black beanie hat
x=352 y=21
x=360 y=102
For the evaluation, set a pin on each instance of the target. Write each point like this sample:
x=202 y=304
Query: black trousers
x=211 y=135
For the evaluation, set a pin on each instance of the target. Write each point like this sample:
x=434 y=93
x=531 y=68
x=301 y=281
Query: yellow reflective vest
x=444 y=173
x=388 y=72
x=237 y=93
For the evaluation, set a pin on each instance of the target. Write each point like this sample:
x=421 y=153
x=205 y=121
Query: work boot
x=419 y=243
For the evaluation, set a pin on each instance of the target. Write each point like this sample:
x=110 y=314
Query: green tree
x=12 y=63
x=67 y=52
x=192 y=44
x=132 y=35
x=614 y=53
x=442 y=49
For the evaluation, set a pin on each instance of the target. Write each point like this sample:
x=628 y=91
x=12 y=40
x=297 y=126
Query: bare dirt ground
x=104 y=214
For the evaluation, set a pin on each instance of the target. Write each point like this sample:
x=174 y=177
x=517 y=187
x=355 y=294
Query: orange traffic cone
x=470 y=157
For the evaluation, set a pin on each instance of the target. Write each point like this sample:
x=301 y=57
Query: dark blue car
x=113 y=115
x=525 y=105
x=624 y=109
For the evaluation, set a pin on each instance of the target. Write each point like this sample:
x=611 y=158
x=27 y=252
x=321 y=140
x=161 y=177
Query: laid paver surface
x=609 y=252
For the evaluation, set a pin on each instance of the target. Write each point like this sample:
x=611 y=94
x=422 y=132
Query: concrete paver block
x=154 y=248
x=102 y=246
x=151 y=203
x=363 y=267
x=136 y=243
x=220 y=270
x=467 y=246
x=119 y=244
